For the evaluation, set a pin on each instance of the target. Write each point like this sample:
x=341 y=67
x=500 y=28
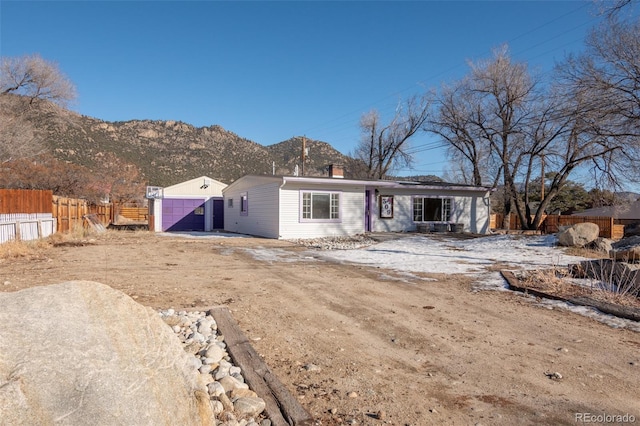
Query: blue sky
x=268 y=70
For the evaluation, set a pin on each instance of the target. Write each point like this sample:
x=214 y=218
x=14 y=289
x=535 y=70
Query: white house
x=289 y=207
x=194 y=205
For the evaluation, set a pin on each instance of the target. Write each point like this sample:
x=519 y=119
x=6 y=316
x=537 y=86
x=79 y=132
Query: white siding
x=262 y=215
x=202 y=187
x=470 y=208
x=351 y=212
x=473 y=211
x=402 y=220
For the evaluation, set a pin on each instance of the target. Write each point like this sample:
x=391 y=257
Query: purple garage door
x=182 y=215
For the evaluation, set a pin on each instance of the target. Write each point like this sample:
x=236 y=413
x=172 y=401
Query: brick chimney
x=336 y=171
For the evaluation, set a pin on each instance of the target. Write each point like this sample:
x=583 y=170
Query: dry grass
x=585 y=252
x=35 y=249
x=22 y=249
x=556 y=282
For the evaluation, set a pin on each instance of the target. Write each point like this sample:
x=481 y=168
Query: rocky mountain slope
x=167 y=152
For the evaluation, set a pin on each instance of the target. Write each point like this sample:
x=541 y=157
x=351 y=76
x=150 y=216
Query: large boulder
x=578 y=235
x=83 y=353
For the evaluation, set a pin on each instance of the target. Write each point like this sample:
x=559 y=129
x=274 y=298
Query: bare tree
x=484 y=118
x=500 y=115
x=459 y=122
x=24 y=82
x=35 y=78
x=608 y=72
x=383 y=147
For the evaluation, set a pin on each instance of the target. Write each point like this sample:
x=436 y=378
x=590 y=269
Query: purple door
x=218 y=214
x=182 y=214
x=367 y=210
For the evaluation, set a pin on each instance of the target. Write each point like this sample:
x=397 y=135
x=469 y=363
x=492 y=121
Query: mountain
x=318 y=156
x=167 y=152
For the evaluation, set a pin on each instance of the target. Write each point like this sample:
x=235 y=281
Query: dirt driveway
x=357 y=346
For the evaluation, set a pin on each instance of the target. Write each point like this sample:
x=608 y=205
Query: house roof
x=366 y=182
x=622 y=211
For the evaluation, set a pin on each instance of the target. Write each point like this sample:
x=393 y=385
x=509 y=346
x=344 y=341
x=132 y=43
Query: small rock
x=249 y=406
x=242 y=393
x=352 y=394
x=215 y=389
x=381 y=415
x=216 y=407
x=312 y=367
x=215 y=353
x=333 y=410
x=228 y=416
x=230 y=383
x=554 y=376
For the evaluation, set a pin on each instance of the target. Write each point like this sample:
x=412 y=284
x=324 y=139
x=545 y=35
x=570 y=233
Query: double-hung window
x=427 y=209
x=320 y=206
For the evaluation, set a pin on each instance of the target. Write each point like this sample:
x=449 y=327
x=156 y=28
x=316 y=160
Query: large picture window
x=431 y=209
x=321 y=206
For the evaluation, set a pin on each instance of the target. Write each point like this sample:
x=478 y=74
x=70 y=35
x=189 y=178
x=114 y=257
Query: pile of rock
x=232 y=401
x=337 y=242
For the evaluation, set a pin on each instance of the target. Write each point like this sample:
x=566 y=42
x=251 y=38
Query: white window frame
x=244 y=204
x=306 y=206
x=446 y=208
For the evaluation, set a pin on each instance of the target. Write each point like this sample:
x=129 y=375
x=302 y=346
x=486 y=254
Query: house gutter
x=381 y=184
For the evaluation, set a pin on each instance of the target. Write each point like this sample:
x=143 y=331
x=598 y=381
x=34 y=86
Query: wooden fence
x=69 y=212
x=26 y=213
x=130 y=212
x=609 y=227
x=25 y=201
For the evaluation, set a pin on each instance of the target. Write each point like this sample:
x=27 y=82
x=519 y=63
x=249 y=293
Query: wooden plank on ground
x=281 y=407
x=605 y=307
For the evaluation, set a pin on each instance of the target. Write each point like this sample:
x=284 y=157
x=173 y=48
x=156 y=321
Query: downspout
x=284 y=182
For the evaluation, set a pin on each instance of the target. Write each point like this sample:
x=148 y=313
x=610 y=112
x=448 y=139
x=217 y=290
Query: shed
x=288 y=207
x=194 y=205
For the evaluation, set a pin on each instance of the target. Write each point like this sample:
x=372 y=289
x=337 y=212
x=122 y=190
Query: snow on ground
x=443 y=255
